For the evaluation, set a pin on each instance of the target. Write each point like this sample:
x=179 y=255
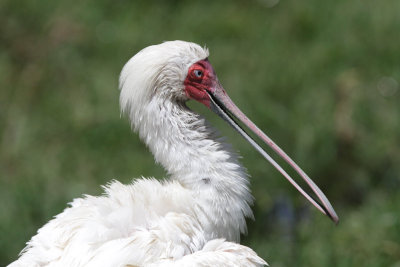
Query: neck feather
x=192 y=153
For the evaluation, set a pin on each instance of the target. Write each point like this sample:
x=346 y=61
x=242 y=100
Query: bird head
x=178 y=71
x=159 y=71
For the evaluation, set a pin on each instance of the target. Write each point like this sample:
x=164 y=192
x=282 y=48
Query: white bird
x=196 y=215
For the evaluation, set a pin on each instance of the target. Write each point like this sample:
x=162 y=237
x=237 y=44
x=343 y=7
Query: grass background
x=320 y=77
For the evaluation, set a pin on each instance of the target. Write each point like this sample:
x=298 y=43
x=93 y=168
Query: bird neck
x=191 y=152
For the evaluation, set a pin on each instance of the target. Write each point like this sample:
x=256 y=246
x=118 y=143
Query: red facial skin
x=196 y=87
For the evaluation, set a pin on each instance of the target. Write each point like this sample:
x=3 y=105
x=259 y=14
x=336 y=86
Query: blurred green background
x=320 y=77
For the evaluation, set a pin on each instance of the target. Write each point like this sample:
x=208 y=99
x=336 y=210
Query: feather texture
x=182 y=220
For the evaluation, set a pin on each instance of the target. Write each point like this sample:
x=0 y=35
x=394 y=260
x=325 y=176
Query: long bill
x=224 y=107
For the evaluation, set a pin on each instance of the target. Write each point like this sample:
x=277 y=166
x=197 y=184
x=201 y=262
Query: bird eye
x=198 y=73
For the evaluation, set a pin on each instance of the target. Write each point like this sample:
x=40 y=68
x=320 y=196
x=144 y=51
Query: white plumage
x=192 y=218
x=180 y=221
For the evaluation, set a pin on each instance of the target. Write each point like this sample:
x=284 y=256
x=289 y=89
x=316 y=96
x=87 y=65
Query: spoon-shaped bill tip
x=222 y=105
